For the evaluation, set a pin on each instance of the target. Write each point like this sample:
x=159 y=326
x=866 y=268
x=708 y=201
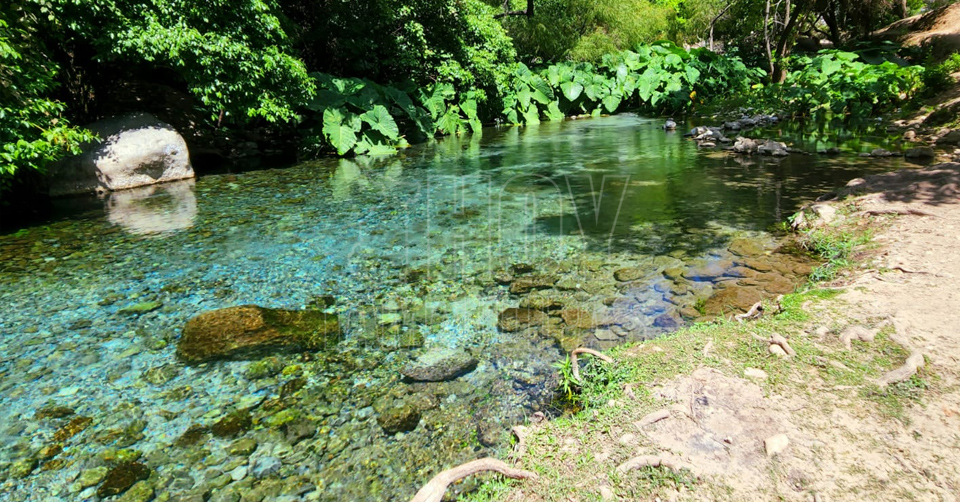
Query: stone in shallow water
x=732 y=299
x=122 y=477
x=527 y=284
x=580 y=319
x=514 y=319
x=403 y=416
x=233 y=424
x=440 y=365
x=745 y=247
x=628 y=274
x=250 y=332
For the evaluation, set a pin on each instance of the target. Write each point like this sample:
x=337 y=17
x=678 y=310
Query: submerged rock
x=732 y=299
x=122 y=477
x=920 y=152
x=628 y=274
x=250 y=332
x=524 y=285
x=401 y=416
x=440 y=365
x=516 y=319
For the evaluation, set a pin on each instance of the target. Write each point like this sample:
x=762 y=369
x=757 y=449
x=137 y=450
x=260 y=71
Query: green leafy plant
x=836 y=83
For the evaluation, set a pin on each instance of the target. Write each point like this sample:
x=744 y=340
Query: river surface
x=610 y=218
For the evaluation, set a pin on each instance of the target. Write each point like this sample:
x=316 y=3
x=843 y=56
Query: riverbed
x=611 y=229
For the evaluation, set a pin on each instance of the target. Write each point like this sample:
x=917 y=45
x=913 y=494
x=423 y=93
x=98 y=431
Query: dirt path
x=813 y=426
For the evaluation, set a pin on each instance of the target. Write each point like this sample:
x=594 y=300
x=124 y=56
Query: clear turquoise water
x=576 y=199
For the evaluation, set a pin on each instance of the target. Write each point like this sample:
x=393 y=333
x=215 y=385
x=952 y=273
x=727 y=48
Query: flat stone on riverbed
x=252 y=332
x=440 y=365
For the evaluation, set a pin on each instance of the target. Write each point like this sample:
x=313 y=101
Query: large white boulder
x=135 y=150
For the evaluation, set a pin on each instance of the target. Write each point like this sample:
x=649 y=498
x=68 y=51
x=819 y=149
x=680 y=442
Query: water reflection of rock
x=153 y=209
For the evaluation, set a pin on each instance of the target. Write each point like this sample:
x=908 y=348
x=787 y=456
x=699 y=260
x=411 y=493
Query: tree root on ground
x=899 y=212
x=754 y=313
x=521 y=434
x=856 y=332
x=776 y=339
x=434 y=490
x=651 y=418
x=909 y=368
x=581 y=350
x=651 y=461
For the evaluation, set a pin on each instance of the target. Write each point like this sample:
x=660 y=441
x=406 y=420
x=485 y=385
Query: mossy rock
x=251 y=332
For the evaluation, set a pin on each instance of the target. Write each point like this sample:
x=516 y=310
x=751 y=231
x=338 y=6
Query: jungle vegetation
x=369 y=76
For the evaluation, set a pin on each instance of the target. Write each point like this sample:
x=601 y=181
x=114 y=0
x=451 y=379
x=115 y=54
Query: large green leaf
x=380 y=120
x=571 y=90
x=531 y=115
x=542 y=92
x=469 y=107
x=611 y=103
x=450 y=122
x=339 y=130
x=553 y=111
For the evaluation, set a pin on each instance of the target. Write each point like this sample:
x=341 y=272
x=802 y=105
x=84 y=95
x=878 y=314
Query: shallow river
x=610 y=229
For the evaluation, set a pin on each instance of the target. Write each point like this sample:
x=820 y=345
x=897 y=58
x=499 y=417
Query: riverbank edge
x=614 y=395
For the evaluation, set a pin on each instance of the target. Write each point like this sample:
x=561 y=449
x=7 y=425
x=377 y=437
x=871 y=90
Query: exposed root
x=861 y=333
x=909 y=368
x=521 y=434
x=897 y=211
x=651 y=418
x=582 y=350
x=776 y=339
x=434 y=490
x=754 y=313
x=651 y=461
x=628 y=391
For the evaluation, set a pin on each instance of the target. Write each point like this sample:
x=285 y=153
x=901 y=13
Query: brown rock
x=576 y=318
x=628 y=274
x=122 y=477
x=745 y=247
x=252 y=332
x=759 y=265
x=731 y=299
x=514 y=319
x=524 y=285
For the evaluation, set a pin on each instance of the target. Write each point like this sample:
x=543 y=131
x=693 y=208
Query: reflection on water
x=155 y=209
x=610 y=228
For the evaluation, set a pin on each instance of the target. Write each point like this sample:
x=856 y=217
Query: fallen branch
x=581 y=350
x=434 y=490
x=909 y=368
x=651 y=461
x=754 y=313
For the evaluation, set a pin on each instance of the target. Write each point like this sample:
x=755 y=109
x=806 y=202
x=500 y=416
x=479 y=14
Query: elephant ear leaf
x=339 y=130
x=571 y=90
x=380 y=120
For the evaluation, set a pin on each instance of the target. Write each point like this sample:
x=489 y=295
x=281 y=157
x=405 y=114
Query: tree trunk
x=766 y=39
x=785 y=43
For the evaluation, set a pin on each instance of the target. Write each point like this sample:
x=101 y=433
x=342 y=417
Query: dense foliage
x=369 y=76
x=33 y=130
x=835 y=82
